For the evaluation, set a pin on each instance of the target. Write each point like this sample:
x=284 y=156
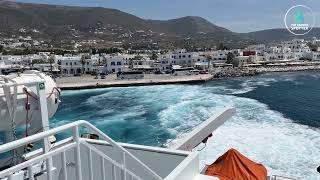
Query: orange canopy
x=234 y=166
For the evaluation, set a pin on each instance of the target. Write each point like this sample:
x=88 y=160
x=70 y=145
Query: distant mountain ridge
x=113 y=27
x=277 y=35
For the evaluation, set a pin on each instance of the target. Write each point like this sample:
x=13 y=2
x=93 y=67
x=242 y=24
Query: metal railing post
x=114 y=174
x=90 y=165
x=64 y=165
x=10 y=177
x=77 y=152
x=30 y=172
x=103 y=174
x=124 y=170
x=42 y=98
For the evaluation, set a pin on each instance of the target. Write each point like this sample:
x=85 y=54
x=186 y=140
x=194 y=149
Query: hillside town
x=297 y=54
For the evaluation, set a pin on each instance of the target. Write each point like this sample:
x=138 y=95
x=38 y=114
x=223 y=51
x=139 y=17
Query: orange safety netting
x=234 y=166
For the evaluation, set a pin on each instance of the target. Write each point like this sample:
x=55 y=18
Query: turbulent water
x=277 y=121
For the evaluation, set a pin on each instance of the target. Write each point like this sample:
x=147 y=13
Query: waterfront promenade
x=88 y=82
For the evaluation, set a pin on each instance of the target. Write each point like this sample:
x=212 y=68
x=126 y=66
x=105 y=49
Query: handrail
x=274 y=177
x=100 y=153
x=9 y=81
x=36 y=137
x=107 y=158
x=42 y=157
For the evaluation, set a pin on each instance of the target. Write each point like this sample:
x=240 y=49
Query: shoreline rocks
x=250 y=71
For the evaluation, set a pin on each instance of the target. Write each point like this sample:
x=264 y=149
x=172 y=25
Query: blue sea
x=277 y=121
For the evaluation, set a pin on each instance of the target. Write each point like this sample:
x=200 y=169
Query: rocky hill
x=110 y=27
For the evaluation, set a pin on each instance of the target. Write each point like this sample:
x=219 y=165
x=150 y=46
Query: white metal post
x=45 y=124
x=124 y=170
x=114 y=175
x=103 y=174
x=10 y=177
x=30 y=173
x=90 y=165
x=77 y=152
x=64 y=165
x=10 y=135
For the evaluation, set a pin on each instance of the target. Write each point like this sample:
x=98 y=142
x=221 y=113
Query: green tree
x=313 y=47
x=38 y=61
x=209 y=58
x=83 y=62
x=230 y=57
x=154 y=56
x=221 y=47
x=51 y=61
x=93 y=51
x=138 y=57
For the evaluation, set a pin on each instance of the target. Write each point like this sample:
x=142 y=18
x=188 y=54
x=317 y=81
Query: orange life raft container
x=234 y=166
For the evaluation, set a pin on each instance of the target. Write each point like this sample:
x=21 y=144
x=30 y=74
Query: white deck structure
x=76 y=158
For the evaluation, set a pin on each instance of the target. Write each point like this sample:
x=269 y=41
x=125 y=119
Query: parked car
x=78 y=74
x=168 y=71
x=194 y=72
x=94 y=74
x=204 y=72
x=158 y=72
x=103 y=77
x=8 y=71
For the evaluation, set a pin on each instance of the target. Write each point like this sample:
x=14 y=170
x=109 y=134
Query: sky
x=236 y=15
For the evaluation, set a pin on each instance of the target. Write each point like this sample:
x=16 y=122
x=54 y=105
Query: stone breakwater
x=231 y=72
x=252 y=71
x=286 y=69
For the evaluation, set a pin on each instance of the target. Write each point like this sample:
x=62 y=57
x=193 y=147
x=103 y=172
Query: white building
x=145 y=65
x=71 y=65
x=240 y=61
x=182 y=57
x=12 y=59
x=315 y=40
x=296 y=45
x=162 y=65
x=277 y=53
x=47 y=67
x=258 y=47
x=115 y=63
x=316 y=56
x=220 y=55
x=4 y=65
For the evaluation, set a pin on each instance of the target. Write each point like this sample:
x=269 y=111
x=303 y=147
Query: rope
x=52 y=92
x=29 y=94
x=27 y=105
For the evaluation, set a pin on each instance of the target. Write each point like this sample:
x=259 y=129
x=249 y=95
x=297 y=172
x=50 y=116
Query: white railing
x=74 y=144
x=278 y=177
